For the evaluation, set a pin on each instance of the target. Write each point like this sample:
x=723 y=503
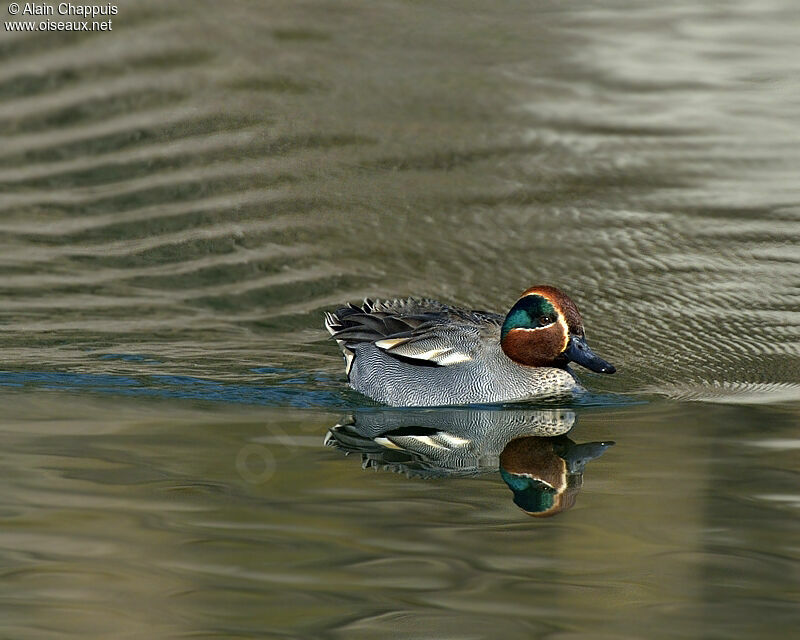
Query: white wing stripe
x=390 y=343
x=414 y=349
x=431 y=354
x=453 y=358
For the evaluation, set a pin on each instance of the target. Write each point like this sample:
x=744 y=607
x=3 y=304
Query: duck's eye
x=543 y=320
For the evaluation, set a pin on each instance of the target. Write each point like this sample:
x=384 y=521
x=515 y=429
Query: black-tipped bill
x=579 y=352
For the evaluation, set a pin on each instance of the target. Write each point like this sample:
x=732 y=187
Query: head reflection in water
x=545 y=474
x=536 y=460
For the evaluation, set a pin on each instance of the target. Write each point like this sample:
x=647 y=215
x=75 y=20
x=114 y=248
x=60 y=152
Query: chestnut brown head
x=544 y=329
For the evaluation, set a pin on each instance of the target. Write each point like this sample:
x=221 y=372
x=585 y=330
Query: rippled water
x=182 y=198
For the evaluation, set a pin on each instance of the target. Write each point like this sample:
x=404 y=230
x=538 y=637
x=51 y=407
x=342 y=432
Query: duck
x=419 y=352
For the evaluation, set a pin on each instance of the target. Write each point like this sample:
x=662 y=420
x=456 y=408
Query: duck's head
x=544 y=329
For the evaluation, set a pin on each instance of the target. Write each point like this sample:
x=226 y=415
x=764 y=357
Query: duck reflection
x=539 y=463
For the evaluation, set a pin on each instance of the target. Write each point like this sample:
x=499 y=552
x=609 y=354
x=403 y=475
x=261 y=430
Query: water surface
x=181 y=199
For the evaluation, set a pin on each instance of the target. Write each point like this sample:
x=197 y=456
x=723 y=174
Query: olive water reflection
x=131 y=517
x=542 y=467
x=182 y=198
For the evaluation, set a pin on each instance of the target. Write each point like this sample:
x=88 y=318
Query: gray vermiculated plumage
x=441 y=355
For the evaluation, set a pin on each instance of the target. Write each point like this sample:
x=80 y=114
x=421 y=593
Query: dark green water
x=182 y=198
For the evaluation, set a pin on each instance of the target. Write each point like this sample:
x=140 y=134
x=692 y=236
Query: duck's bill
x=580 y=353
x=578 y=455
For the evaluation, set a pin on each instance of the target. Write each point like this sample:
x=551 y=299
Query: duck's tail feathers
x=332 y=323
x=376 y=320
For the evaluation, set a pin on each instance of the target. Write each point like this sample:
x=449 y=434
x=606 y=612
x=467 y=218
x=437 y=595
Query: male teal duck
x=425 y=353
